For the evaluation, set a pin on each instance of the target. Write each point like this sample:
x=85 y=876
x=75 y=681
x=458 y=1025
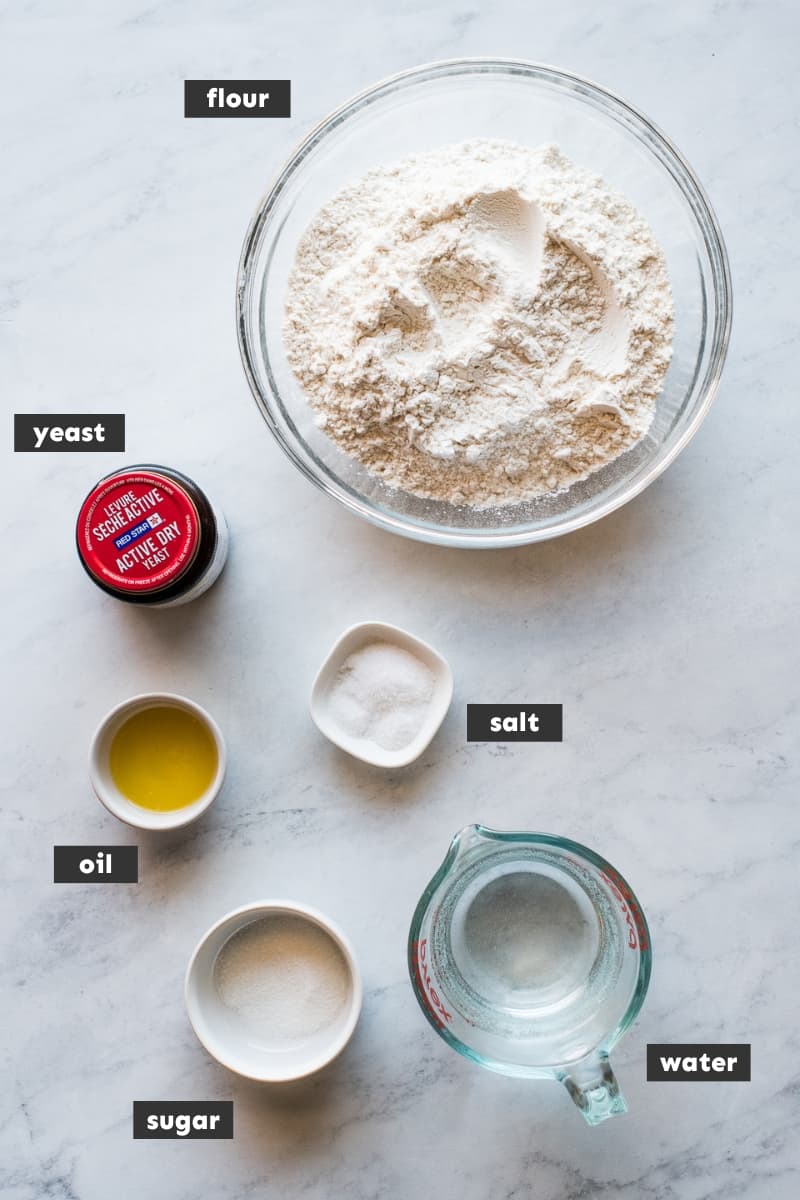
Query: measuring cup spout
x=594 y=1088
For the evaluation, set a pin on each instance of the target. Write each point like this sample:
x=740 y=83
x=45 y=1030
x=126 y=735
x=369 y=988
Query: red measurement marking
x=630 y=908
x=430 y=996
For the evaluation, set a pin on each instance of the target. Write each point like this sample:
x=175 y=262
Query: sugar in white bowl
x=284 y=978
x=273 y=990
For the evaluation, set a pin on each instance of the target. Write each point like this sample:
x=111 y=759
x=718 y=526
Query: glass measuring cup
x=530 y=955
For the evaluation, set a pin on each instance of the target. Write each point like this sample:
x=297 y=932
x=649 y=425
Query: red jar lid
x=138 y=531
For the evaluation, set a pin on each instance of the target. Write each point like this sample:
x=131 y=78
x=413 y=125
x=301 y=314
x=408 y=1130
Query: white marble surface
x=665 y=631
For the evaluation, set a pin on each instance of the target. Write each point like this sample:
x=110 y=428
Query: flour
x=382 y=693
x=284 y=977
x=480 y=324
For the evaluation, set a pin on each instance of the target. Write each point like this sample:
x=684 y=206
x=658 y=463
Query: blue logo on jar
x=138 y=531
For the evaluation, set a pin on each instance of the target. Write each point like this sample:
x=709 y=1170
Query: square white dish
x=368 y=751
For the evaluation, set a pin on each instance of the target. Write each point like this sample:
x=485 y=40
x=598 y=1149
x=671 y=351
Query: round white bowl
x=107 y=791
x=530 y=104
x=228 y=1040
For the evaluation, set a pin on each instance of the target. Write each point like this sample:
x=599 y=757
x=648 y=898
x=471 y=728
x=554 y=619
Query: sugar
x=284 y=977
x=382 y=693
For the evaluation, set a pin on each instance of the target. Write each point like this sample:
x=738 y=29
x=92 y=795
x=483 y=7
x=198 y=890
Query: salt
x=382 y=693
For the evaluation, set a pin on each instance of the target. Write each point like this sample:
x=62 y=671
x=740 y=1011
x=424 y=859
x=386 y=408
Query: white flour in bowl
x=481 y=324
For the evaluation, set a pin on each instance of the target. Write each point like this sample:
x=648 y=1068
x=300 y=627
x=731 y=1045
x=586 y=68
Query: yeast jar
x=149 y=535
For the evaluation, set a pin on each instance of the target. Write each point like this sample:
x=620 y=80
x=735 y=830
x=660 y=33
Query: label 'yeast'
x=48 y=433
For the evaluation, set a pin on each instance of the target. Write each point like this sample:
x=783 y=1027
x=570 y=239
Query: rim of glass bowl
x=717 y=321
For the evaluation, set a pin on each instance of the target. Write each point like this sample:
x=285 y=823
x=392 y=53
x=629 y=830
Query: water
x=526 y=946
x=524 y=940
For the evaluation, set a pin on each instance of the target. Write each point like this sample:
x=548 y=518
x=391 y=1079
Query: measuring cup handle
x=594 y=1088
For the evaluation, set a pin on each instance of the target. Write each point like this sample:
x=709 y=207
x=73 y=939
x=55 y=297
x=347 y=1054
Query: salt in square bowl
x=356 y=638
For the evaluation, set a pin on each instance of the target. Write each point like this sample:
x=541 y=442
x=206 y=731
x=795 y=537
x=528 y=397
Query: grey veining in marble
x=667 y=631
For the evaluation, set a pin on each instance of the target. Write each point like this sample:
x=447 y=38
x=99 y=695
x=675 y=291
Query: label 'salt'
x=95 y=864
x=237 y=97
x=183 y=1119
x=707 y=1061
x=515 y=722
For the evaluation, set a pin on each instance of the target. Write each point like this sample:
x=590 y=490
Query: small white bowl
x=107 y=791
x=230 y=1042
x=353 y=639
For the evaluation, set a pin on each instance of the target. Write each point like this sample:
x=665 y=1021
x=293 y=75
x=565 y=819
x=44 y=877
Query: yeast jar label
x=138 y=531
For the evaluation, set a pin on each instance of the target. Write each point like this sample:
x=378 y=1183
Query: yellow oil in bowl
x=163 y=758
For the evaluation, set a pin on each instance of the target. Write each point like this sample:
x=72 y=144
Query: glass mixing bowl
x=529 y=104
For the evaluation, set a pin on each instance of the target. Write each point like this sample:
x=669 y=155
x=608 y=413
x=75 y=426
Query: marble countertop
x=664 y=630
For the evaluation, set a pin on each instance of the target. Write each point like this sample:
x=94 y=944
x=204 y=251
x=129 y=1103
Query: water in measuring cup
x=525 y=941
x=532 y=950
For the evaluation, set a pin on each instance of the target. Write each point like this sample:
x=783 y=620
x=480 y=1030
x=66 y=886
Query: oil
x=163 y=758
